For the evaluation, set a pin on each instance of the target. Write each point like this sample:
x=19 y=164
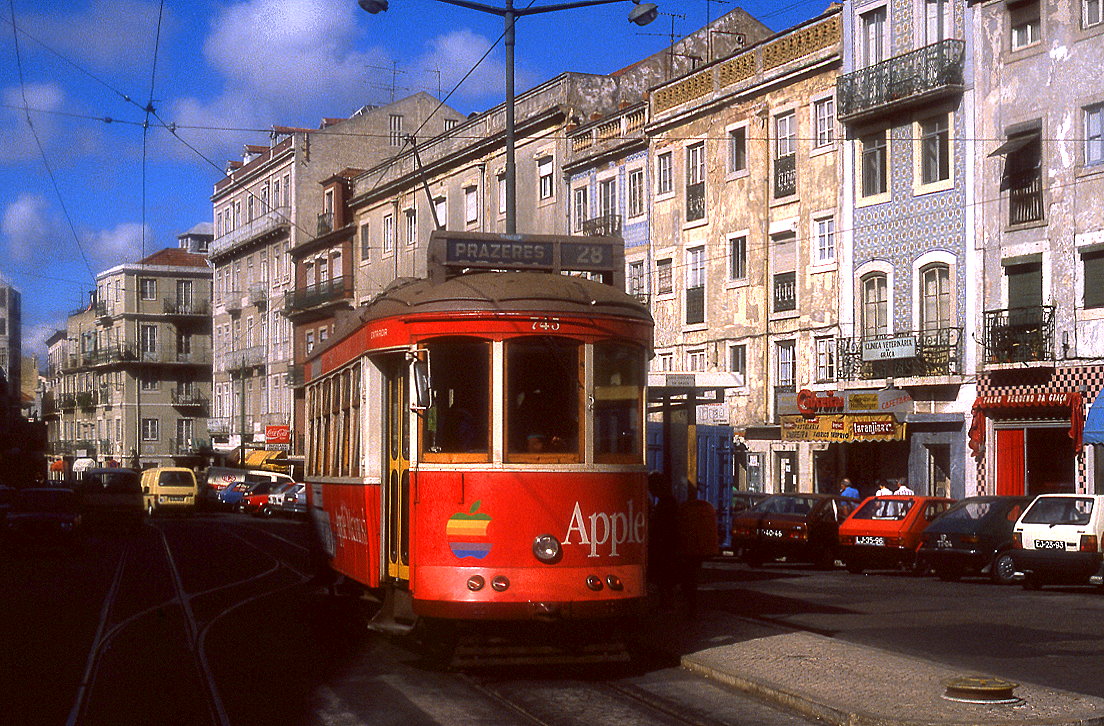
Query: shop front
x=1029 y=442
x=860 y=434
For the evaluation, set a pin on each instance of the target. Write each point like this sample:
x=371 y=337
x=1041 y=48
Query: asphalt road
x=212 y=620
x=1050 y=637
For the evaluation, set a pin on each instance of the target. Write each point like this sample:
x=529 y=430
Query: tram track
x=195 y=628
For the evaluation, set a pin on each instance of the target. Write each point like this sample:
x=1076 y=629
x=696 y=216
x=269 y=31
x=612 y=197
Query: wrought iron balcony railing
x=937 y=353
x=175 y=306
x=218 y=425
x=187 y=397
x=1025 y=197
x=320 y=293
x=785 y=292
x=606 y=225
x=785 y=176
x=1019 y=335
x=919 y=76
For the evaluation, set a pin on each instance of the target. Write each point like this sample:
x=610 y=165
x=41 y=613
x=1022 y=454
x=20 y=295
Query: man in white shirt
x=883 y=490
x=903 y=489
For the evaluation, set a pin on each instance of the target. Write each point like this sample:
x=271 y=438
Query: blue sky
x=79 y=194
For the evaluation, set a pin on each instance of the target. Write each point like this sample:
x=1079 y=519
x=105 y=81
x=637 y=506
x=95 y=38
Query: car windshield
x=786 y=505
x=1059 y=510
x=971 y=511
x=261 y=488
x=884 y=509
x=176 y=479
x=46 y=500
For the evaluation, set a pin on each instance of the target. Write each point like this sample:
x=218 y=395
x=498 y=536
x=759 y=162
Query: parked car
x=111 y=497
x=799 y=527
x=255 y=497
x=170 y=489
x=230 y=496
x=742 y=501
x=973 y=537
x=44 y=516
x=1057 y=540
x=884 y=532
x=294 y=500
x=275 y=498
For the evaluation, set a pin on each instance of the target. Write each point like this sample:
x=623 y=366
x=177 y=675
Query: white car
x=294 y=500
x=1057 y=540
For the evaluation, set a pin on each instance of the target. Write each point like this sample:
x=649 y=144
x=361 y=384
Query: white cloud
x=19 y=140
x=29 y=230
x=453 y=54
x=122 y=243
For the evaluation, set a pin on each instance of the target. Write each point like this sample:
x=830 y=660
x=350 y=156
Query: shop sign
x=714 y=414
x=679 y=380
x=889 y=349
x=843 y=428
x=278 y=434
x=1016 y=400
x=809 y=403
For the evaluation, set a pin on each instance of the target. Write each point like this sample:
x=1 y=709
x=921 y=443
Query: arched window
x=936 y=301
x=875 y=305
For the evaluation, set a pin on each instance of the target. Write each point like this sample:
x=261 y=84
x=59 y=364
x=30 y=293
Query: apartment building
x=130 y=377
x=1040 y=241
x=11 y=355
x=741 y=264
x=906 y=104
x=266 y=206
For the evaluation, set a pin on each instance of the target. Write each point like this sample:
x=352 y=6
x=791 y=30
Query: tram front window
x=618 y=402
x=543 y=396
x=458 y=421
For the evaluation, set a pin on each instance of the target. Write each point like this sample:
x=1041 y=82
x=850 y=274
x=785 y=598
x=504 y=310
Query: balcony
x=785 y=176
x=67 y=402
x=295 y=377
x=305 y=298
x=258 y=295
x=188 y=397
x=606 y=225
x=919 y=77
x=325 y=223
x=219 y=425
x=85 y=399
x=695 y=202
x=1019 y=335
x=250 y=357
x=1025 y=197
x=104 y=311
x=937 y=353
x=273 y=222
x=785 y=292
x=174 y=306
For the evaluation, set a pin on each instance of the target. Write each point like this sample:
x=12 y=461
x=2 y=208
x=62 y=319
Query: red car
x=884 y=532
x=255 y=498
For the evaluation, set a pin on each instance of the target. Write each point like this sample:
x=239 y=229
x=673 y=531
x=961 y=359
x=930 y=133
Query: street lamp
x=642 y=14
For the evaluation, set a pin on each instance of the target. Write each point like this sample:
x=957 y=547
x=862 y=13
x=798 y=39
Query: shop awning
x=1094 y=423
x=263 y=459
x=986 y=405
x=58 y=465
x=843 y=428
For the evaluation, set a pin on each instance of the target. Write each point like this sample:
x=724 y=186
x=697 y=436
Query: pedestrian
x=847 y=489
x=883 y=490
x=903 y=489
x=662 y=539
x=697 y=540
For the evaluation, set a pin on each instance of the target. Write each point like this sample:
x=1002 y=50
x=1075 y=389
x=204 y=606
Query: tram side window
x=458 y=422
x=618 y=402
x=543 y=395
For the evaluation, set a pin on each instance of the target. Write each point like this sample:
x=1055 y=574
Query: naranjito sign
x=843 y=417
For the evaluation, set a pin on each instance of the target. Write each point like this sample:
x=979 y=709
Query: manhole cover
x=981 y=689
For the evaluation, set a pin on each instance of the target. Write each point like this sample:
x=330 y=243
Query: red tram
x=476 y=442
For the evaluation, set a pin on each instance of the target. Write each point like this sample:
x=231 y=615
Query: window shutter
x=1025 y=285
x=1094 y=279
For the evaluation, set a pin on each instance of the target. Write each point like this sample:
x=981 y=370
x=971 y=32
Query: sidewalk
x=843 y=683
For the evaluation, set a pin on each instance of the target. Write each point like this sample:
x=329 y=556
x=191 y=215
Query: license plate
x=1049 y=544
x=944 y=542
x=878 y=541
x=174 y=498
x=771 y=532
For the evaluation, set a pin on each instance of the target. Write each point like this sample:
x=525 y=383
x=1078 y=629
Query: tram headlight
x=500 y=583
x=614 y=582
x=475 y=583
x=547 y=549
x=594 y=582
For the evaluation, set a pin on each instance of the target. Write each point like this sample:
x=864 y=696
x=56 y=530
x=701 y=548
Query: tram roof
x=503 y=291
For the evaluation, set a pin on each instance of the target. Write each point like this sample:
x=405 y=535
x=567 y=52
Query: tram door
x=397 y=500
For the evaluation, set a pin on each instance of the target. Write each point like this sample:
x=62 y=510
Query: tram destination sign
x=552 y=253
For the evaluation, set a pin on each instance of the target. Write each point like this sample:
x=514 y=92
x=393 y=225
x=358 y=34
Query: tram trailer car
x=476 y=447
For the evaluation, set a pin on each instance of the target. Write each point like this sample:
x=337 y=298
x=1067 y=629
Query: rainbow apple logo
x=467 y=533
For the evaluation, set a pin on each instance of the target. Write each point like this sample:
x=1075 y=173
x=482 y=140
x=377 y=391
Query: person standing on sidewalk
x=697 y=541
x=904 y=490
x=662 y=539
x=847 y=489
x=883 y=490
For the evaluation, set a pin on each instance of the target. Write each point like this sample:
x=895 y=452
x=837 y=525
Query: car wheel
x=267 y=511
x=1031 y=582
x=149 y=509
x=854 y=567
x=753 y=560
x=948 y=575
x=1003 y=568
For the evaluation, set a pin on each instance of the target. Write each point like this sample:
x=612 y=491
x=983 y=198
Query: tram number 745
x=545 y=323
